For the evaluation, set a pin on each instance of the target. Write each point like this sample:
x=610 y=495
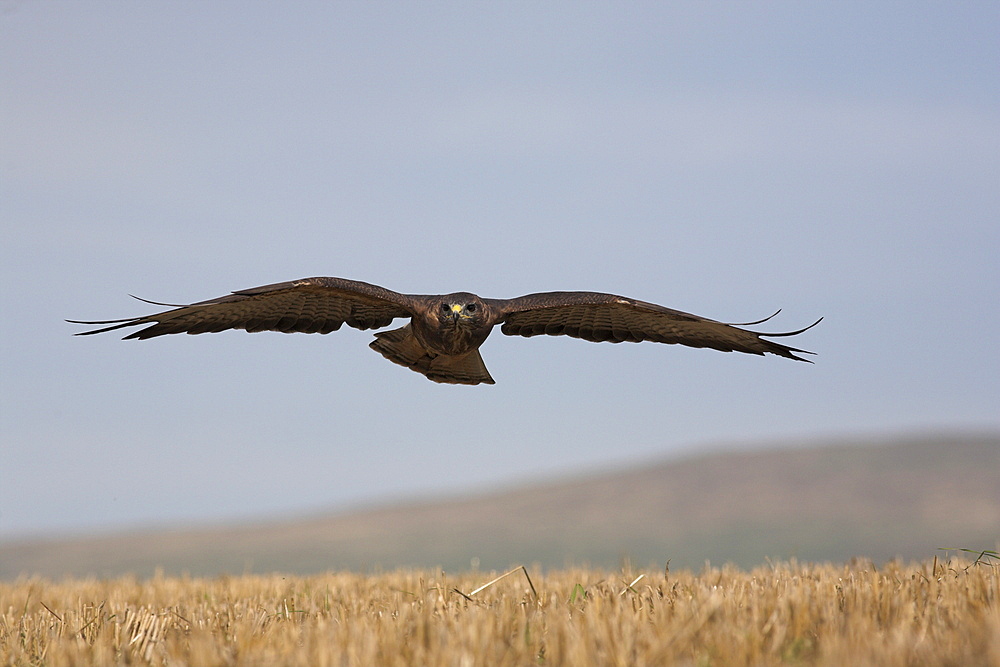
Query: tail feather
x=466 y=369
x=401 y=346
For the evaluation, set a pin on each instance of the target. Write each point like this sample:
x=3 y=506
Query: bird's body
x=443 y=336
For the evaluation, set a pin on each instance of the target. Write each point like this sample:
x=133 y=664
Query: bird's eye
x=471 y=307
x=445 y=307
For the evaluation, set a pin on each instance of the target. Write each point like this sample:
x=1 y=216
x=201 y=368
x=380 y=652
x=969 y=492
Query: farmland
x=938 y=612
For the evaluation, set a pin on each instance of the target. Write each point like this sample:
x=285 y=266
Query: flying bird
x=444 y=333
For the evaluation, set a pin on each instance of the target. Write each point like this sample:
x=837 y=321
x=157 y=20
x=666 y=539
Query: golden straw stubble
x=944 y=613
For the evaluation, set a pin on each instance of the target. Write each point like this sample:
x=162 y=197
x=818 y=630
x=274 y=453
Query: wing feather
x=310 y=305
x=599 y=317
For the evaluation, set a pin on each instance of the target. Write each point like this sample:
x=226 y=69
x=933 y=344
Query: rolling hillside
x=877 y=500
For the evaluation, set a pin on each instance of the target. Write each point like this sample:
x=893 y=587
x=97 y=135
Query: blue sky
x=727 y=159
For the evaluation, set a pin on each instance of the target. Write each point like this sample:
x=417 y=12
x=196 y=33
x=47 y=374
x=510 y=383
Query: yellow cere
x=456 y=308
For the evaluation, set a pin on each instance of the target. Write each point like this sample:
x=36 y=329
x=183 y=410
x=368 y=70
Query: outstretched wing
x=601 y=317
x=310 y=305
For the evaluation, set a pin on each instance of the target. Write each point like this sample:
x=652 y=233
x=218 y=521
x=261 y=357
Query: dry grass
x=785 y=614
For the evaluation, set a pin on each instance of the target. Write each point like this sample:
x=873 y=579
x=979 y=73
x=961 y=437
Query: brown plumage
x=445 y=331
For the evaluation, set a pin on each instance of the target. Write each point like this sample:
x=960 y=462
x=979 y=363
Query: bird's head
x=461 y=310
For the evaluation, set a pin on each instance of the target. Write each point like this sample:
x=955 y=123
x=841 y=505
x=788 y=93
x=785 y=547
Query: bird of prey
x=444 y=333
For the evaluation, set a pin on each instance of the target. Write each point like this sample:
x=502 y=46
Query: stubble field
x=933 y=613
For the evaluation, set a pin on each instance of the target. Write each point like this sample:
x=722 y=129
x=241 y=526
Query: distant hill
x=830 y=502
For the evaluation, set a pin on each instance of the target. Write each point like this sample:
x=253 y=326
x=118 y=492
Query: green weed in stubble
x=983 y=557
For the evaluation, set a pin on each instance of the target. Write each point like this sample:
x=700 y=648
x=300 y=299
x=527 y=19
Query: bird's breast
x=451 y=338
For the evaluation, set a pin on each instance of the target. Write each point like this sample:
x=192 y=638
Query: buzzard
x=444 y=333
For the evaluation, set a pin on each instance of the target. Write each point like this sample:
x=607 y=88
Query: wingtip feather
x=792 y=333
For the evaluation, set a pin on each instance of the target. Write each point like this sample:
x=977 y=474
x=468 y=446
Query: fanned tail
x=400 y=346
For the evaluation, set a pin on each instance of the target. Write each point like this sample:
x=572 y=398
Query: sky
x=727 y=159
